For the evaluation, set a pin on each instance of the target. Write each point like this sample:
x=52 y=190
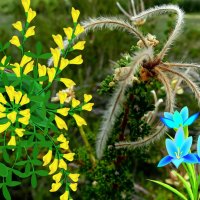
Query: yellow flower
x=79 y=120
x=29 y=67
x=62 y=96
x=53 y=166
x=79 y=45
x=31 y=15
x=12 y=116
x=4 y=127
x=10 y=91
x=68 y=32
x=61 y=138
x=57 y=177
x=25 y=113
x=19 y=131
x=73 y=186
x=26 y=5
x=75 y=15
x=2 y=99
x=15 y=41
x=12 y=141
x=24 y=120
x=68 y=82
x=87 y=106
x=47 y=158
x=74 y=177
x=25 y=60
x=69 y=156
x=65 y=145
x=16 y=69
x=55 y=187
x=56 y=56
x=18 y=26
x=2 y=108
x=63 y=111
x=79 y=29
x=62 y=164
x=51 y=73
x=18 y=96
x=77 y=60
x=58 y=40
x=25 y=100
x=63 y=63
x=30 y=32
x=75 y=103
x=2 y=115
x=60 y=123
x=87 y=97
x=3 y=60
x=65 y=196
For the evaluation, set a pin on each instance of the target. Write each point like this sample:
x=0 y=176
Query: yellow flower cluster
x=13 y=113
x=59 y=165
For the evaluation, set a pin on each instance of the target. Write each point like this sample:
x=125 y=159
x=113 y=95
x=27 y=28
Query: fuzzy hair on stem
x=114 y=105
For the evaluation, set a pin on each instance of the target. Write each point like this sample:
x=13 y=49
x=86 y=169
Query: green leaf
x=34 y=180
x=6 y=193
x=35 y=151
x=3 y=170
x=42 y=173
x=40 y=137
x=29 y=54
x=6 y=46
x=20 y=174
x=27 y=168
x=37 y=162
x=168 y=187
x=9 y=177
x=6 y=156
x=45 y=56
x=21 y=163
x=38 y=48
x=13 y=183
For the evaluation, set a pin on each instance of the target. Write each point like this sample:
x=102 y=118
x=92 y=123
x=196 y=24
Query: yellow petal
x=16 y=69
x=79 y=120
x=47 y=158
x=53 y=166
x=57 y=177
x=4 y=127
x=18 y=96
x=3 y=60
x=29 y=67
x=74 y=177
x=68 y=82
x=2 y=99
x=12 y=116
x=79 y=29
x=12 y=141
x=69 y=156
x=56 y=56
x=18 y=26
x=51 y=73
x=30 y=32
x=75 y=15
x=31 y=15
x=26 y=5
x=77 y=60
x=11 y=92
x=79 y=45
x=75 y=102
x=87 y=106
x=24 y=120
x=60 y=123
x=65 y=196
x=55 y=187
x=61 y=138
x=25 y=100
x=25 y=113
x=19 y=131
x=65 y=145
x=68 y=32
x=73 y=186
x=62 y=96
x=63 y=63
x=42 y=70
x=62 y=164
x=15 y=41
x=2 y=115
x=63 y=111
x=2 y=108
x=87 y=97
x=58 y=40
x=25 y=60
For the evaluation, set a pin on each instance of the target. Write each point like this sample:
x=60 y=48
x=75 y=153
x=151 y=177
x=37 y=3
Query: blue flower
x=198 y=150
x=178 y=150
x=177 y=119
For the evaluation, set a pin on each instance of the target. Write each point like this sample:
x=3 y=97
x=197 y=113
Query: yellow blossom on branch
x=31 y=15
x=18 y=26
x=15 y=41
x=75 y=15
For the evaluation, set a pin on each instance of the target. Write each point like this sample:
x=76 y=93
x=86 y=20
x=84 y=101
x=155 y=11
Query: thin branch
x=183 y=65
x=122 y=10
x=133 y=7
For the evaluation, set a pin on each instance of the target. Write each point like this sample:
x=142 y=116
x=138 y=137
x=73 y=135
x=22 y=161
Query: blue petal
x=191 y=119
x=171 y=148
x=184 y=113
x=177 y=119
x=179 y=138
x=198 y=158
x=186 y=146
x=177 y=162
x=190 y=158
x=198 y=146
x=164 y=161
x=168 y=115
x=169 y=123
